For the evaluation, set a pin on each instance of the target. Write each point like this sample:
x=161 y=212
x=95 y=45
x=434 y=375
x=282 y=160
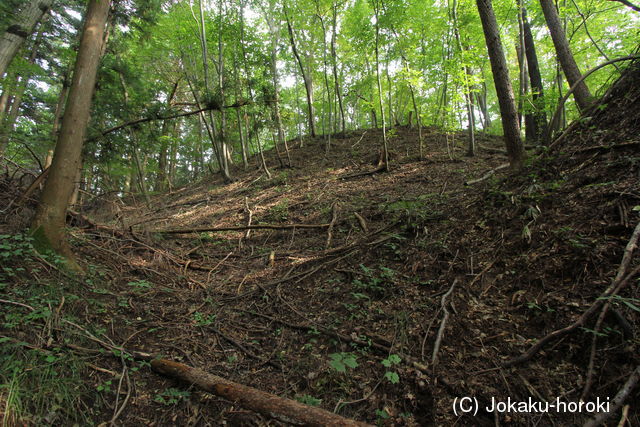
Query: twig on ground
x=334 y=218
x=363 y=223
x=487 y=175
x=249 y=214
x=443 y=324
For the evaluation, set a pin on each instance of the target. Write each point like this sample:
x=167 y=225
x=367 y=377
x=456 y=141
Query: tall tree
x=565 y=57
x=307 y=74
x=537 y=89
x=49 y=222
x=508 y=111
x=19 y=30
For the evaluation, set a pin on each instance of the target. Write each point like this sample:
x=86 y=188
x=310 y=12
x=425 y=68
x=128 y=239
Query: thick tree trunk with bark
x=19 y=30
x=568 y=63
x=49 y=223
x=508 y=112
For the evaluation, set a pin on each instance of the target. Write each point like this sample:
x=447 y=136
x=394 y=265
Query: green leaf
x=393 y=377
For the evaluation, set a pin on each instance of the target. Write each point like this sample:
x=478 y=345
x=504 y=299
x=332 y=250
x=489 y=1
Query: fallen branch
x=443 y=324
x=239 y=228
x=334 y=217
x=249 y=215
x=273 y=406
x=617 y=401
x=487 y=175
x=363 y=223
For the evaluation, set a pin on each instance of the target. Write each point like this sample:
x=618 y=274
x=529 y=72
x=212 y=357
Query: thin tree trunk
x=471 y=150
x=537 y=89
x=569 y=66
x=306 y=76
x=385 y=149
x=326 y=79
x=334 y=57
x=49 y=223
x=508 y=112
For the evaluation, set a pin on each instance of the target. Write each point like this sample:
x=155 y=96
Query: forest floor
x=413 y=290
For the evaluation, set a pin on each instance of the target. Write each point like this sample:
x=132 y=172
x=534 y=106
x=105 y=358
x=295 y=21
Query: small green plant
x=280 y=211
x=341 y=361
x=202 y=320
x=140 y=285
x=171 y=396
x=104 y=387
x=389 y=362
x=309 y=400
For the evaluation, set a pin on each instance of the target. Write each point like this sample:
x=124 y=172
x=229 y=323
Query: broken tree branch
x=256 y=400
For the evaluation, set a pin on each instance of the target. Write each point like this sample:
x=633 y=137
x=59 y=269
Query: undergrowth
x=41 y=381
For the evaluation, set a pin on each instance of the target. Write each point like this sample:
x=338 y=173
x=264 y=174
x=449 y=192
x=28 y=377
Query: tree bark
x=508 y=112
x=287 y=410
x=49 y=223
x=19 y=30
x=568 y=63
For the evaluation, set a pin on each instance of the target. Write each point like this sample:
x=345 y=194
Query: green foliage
x=389 y=362
x=309 y=400
x=202 y=320
x=171 y=396
x=341 y=361
x=374 y=282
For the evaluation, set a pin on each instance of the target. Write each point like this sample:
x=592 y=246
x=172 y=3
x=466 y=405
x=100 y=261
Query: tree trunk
x=308 y=82
x=537 y=89
x=385 y=149
x=468 y=96
x=8 y=124
x=19 y=30
x=508 y=112
x=327 y=135
x=569 y=66
x=334 y=57
x=49 y=223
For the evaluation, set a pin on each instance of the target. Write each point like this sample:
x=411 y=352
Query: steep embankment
x=349 y=315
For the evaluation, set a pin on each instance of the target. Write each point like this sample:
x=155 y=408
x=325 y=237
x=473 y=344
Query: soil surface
x=413 y=289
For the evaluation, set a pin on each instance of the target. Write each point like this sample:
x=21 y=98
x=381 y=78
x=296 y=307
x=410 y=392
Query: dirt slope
x=289 y=311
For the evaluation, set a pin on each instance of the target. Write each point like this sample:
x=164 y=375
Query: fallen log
x=239 y=228
x=273 y=406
